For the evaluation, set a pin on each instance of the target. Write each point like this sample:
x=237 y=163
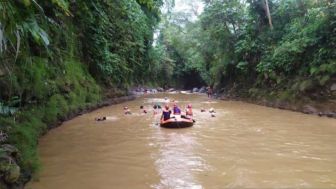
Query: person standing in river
x=209 y=92
x=189 y=112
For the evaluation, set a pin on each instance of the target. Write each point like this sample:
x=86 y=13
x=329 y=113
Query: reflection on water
x=244 y=146
x=176 y=160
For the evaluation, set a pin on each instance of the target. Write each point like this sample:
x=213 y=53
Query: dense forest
x=285 y=49
x=58 y=57
x=61 y=56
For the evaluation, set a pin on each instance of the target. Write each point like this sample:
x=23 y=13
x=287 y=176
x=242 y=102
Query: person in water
x=189 y=112
x=176 y=110
x=212 y=112
x=127 y=110
x=143 y=110
x=156 y=108
x=210 y=91
x=100 y=118
x=166 y=113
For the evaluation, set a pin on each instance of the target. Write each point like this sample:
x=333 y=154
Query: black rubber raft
x=177 y=122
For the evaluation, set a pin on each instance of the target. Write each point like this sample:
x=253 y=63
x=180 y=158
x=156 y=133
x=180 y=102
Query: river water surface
x=244 y=146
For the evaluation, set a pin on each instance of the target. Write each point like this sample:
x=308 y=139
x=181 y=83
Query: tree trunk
x=268 y=14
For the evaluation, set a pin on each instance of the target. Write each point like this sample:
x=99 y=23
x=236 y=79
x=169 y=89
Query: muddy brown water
x=244 y=146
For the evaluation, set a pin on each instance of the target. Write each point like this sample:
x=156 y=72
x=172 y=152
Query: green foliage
x=233 y=44
x=118 y=37
x=54 y=53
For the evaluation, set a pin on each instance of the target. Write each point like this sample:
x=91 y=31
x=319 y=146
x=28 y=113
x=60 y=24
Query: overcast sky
x=189 y=5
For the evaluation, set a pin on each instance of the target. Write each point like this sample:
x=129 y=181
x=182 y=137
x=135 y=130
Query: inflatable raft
x=177 y=122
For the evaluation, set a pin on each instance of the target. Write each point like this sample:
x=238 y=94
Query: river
x=244 y=146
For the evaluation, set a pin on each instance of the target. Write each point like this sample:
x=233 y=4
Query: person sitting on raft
x=176 y=110
x=166 y=113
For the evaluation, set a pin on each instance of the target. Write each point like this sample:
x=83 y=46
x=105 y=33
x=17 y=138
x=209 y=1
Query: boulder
x=159 y=89
x=224 y=97
x=281 y=104
x=9 y=170
x=133 y=92
x=9 y=149
x=202 y=90
x=331 y=114
x=12 y=174
x=195 y=90
x=141 y=90
x=171 y=90
x=308 y=109
x=333 y=87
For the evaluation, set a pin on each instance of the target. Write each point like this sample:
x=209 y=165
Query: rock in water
x=9 y=170
x=308 y=109
x=171 y=90
x=12 y=174
x=202 y=90
x=333 y=87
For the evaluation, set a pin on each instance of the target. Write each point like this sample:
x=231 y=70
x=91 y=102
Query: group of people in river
x=167 y=112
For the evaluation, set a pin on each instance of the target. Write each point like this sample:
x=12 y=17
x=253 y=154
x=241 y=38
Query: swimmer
x=143 y=109
x=100 y=118
x=127 y=110
x=157 y=106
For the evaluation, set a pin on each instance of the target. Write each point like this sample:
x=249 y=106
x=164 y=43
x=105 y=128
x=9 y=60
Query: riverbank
x=325 y=108
x=16 y=170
